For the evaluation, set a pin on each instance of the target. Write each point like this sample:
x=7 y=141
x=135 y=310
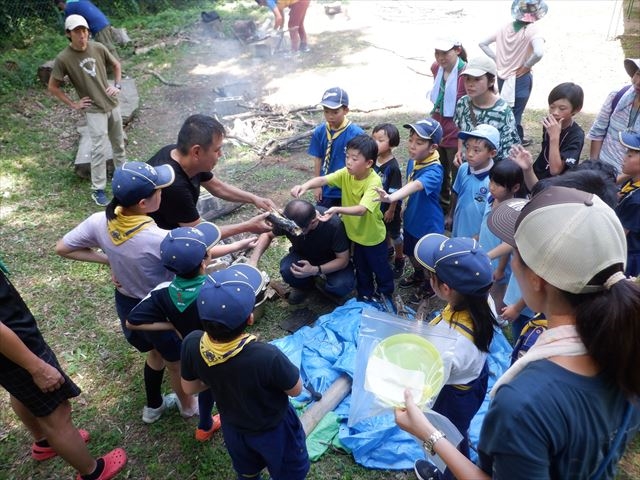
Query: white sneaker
x=151 y=415
x=186 y=413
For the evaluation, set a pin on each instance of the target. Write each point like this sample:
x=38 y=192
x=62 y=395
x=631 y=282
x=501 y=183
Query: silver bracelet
x=430 y=443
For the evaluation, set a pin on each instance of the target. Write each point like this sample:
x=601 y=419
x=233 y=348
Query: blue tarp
x=328 y=349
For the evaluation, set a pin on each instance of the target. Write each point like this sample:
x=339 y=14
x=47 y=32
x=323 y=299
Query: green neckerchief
x=184 y=291
x=518 y=25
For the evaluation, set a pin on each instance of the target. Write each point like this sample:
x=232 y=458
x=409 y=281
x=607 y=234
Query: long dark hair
x=608 y=323
x=482 y=317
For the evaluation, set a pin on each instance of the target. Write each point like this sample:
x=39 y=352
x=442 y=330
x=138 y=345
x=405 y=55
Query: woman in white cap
x=448 y=88
x=569 y=406
x=619 y=113
x=519 y=46
x=482 y=104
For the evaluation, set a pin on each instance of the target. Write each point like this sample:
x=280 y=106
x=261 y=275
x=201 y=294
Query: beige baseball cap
x=566 y=236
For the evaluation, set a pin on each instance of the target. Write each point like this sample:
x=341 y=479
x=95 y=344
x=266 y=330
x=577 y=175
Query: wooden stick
x=330 y=400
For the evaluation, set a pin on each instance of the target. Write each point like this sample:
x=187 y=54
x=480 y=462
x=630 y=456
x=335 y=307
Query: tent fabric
x=326 y=350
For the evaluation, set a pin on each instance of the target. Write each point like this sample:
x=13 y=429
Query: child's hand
x=382 y=196
x=317 y=193
x=297 y=190
x=510 y=313
x=47 y=378
x=388 y=216
x=245 y=243
x=498 y=274
x=552 y=126
x=457 y=159
x=410 y=418
x=328 y=213
x=521 y=157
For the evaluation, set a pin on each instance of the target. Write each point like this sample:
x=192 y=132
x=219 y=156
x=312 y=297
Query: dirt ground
x=379 y=51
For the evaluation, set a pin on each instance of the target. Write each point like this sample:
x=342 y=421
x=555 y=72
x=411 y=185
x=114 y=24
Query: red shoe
x=45 y=453
x=114 y=461
x=204 y=435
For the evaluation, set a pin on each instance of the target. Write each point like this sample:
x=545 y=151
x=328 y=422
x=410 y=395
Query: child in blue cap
x=251 y=381
x=461 y=274
x=171 y=305
x=470 y=189
x=128 y=240
x=423 y=213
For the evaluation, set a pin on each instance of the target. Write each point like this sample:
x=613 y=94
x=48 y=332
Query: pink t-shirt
x=513 y=48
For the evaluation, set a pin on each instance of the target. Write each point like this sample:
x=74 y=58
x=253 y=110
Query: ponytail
x=110 y=210
x=608 y=323
x=482 y=316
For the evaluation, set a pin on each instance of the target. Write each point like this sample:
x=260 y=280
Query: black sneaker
x=398 y=267
x=426 y=470
x=413 y=280
x=297 y=296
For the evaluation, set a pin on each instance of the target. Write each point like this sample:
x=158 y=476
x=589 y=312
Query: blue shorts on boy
x=254 y=408
x=472 y=191
x=423 y=213
x=367 y=232
x=318 y=148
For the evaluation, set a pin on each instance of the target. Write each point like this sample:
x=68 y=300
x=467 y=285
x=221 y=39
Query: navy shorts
x=167 y=343
x=282 y=450
x=409 y=244
x=19 y=383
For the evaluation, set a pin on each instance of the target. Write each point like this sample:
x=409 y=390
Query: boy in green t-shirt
x=361 y=216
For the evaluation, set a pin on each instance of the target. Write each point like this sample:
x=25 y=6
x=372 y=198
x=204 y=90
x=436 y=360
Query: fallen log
x=330 y=400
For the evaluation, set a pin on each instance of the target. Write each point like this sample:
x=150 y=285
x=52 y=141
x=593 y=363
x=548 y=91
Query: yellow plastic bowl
x=402 y=361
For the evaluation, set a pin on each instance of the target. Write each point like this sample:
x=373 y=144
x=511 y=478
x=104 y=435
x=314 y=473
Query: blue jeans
x=339 y=283
x=524 y=85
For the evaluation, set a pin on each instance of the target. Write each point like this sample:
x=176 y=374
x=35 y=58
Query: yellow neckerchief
x=330 y=138
x=216 y=353
x=629 y=187
x=459 y=320
x=124 y=227
x=431 y=159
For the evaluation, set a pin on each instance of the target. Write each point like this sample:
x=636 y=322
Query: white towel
x=563 y=340
x=508 y=92
x=450 y=91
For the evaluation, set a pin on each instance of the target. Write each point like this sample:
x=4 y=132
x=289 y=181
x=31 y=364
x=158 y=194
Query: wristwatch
x=118 y=86
x=430 y=443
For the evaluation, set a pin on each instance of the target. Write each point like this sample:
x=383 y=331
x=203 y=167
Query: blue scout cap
x=459 y=262
x=429 y=129
x=487 y=132
x=135 y=181
x=630 y=140
x=184 y=248
x=335 y=97
x=227 y=297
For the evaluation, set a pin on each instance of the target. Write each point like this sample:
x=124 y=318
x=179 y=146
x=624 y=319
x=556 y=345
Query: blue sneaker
x=425 y=470
x=100 y=198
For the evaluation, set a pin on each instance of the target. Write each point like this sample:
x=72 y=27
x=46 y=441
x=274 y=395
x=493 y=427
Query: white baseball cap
x=478 y=66
x=74 y=21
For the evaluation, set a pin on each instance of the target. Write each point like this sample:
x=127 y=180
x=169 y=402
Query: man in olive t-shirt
x=85 y=63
